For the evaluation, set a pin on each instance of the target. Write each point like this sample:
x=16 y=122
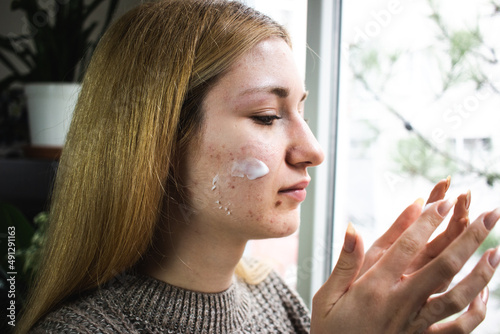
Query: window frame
x=322 y=80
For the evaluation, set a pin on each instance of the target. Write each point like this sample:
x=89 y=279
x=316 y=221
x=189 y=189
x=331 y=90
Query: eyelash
x=266 y=120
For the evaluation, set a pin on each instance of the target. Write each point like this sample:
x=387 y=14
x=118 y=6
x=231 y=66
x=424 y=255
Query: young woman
x=189 y=140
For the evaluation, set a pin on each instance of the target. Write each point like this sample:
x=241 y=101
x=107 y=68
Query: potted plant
x=52 y=53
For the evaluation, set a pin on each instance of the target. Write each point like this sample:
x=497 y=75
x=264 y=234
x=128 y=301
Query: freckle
x=232 y=187
x=278 y=203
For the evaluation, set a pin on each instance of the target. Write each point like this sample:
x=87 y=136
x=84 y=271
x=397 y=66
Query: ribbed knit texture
x=140 y=304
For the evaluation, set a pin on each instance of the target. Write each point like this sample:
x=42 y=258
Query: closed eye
x=266 y=119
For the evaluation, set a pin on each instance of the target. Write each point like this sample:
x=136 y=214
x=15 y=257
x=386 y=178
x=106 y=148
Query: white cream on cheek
x=252 y=168
x=214 y=181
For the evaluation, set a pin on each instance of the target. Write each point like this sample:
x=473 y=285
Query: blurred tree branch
x=465 y=57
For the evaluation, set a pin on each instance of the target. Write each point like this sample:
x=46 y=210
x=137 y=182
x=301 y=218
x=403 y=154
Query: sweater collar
x=148 y=300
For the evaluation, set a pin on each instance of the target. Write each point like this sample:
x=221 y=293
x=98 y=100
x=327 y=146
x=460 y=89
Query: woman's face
x=246 y=176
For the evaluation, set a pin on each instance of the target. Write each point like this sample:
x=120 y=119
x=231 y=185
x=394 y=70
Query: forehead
x=269 y=67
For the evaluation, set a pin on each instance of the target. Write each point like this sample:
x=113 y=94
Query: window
x=419 y=97
x=402 y=94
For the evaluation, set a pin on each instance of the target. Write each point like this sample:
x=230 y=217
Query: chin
x=279 y=227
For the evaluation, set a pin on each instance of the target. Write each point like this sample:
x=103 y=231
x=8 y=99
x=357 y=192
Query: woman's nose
x=304 y=150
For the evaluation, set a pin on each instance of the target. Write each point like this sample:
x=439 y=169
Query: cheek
x=245 y=177
x=239 y=186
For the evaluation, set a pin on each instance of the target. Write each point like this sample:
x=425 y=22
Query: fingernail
x=445 y=207
x=494 y=258
x=420 y=202
x=350 y=239
x=491 y=219
x=448 y=182
x=485 y=294
x=467 y=200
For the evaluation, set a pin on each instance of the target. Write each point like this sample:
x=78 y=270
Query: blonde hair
x=138 y=109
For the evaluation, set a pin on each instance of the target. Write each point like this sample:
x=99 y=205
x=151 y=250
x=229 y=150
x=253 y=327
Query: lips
x=296 y=192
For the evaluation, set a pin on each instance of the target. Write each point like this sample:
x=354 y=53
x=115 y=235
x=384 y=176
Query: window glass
x=419 y=100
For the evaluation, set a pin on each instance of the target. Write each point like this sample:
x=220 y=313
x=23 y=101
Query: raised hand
x=393 y=295
x=458 y=223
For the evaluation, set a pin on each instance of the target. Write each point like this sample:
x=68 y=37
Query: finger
x=405 y=219
x=458 y=223
x=344 y=273
x=467 y=321
x=452 y=259
x=397 y=258
x=461 y=211
x=455 y=300
x=439 y=190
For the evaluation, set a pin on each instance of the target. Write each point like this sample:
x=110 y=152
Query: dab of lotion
x=214 y=181
x=250 y=167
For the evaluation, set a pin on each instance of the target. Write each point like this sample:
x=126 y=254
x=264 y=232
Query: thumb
x=344 y=274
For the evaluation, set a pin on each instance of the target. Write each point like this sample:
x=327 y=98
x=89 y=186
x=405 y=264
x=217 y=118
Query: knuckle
x=484 y=275
x=409 y=245
x=432 y=219
x=448 y=267
x=477 y=235
x=456 y=302
x=344 y=265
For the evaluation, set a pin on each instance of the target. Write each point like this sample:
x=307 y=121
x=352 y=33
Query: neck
x=192 y=258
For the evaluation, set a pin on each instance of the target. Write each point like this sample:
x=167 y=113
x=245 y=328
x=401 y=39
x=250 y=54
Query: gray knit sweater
x=141 y=304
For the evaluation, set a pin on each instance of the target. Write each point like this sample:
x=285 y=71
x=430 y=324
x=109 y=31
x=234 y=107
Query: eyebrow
x=281 y=92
